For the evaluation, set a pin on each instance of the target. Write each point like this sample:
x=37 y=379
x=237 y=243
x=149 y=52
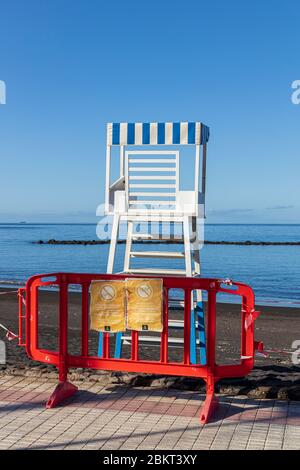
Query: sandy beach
x=273 y=376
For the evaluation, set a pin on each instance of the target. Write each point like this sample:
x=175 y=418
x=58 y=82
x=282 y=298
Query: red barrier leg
x=62 y=391
x=211 y=402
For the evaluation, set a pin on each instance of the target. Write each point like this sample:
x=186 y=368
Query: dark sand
x=277 y=327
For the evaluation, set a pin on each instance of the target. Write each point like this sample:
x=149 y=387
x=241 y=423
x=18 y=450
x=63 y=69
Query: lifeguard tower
x=147 y=193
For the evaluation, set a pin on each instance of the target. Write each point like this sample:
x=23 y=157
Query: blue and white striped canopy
x=157 y=133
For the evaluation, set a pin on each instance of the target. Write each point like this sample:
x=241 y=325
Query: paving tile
x=100 y=418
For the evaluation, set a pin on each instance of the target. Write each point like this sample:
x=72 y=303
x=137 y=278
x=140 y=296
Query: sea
x=272 y=271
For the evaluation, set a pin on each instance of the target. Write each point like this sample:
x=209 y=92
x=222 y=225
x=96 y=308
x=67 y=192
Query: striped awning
x=157 y=133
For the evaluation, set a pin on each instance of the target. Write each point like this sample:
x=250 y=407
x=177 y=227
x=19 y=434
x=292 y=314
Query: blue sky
x=71 y=66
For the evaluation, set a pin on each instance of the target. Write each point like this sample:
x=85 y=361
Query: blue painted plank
x=116 y=133
x=130 y=133
x=161 y=133
x=201 y=332
x=193 y=345
x=100 y=345
x=118 y=346
x=176 y=132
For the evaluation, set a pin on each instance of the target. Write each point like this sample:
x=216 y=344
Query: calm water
x=272 y=271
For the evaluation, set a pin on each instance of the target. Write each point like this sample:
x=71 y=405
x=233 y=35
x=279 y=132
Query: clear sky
x=71 y=66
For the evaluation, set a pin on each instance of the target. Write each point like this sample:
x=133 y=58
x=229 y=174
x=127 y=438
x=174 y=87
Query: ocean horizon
x=272 y=271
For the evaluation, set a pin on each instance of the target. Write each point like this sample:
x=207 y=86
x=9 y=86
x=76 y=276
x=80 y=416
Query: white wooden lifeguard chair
x=147 y=193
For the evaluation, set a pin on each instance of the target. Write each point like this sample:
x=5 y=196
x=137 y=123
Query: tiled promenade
x=141 y=418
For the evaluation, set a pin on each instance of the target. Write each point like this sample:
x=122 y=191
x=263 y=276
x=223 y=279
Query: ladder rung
x=154 y=169
x=156 y=339
x=179 y=304
x=150 y=177
x=176 y=303
x=178 y=324
x=148 y=185
x=142 y=236
x=152 y=160
x=153 y=203
x=149 y=193
x=150 y=236
x=146 y=236
x=172 y=272
x=156 y=254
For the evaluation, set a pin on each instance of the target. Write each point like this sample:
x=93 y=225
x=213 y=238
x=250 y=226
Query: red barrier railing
x=210 y=372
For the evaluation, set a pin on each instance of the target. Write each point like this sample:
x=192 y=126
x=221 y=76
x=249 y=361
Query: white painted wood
x=198 y=133
x=177 y=176
x=154 y=217
x=204 y=174
x=113 y=244
x=156 y=254
x=157 y=211
x=152 y=193
x=122 y=160
x=153 y=133
x=152 y=160
x=178 y=324
x=152 y=177
x=156 y=340
x=107 y=178
x=109 y=134
x=126 y=181
x=196 y=255
x=118 y=185
x=123 y=132
x=139 y=133
x=128 y=246
x=187 y=248
x=156 y=199
x=152 y=152
x=197 y=164
x=154 y=271
x=179 y=304
x=152 y=169
x=158 y=202
x=184 y=133
x=154 y=186
x=168 y=133
x=142 y=236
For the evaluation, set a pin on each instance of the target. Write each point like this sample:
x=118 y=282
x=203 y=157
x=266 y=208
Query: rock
x=126 y=379
x=232 y=390
x=283 y=393
x=289 y=393
x=32 y=373
x=163 y=382
x=179 y=383
x=52 y=375
x=262 y=392
x=141 y=381
x=94 y=377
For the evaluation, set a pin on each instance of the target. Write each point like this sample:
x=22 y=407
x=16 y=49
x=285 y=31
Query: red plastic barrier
x=210 y=372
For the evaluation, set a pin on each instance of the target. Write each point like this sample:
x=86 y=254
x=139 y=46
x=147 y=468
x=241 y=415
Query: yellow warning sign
x=144 y=304
x=107 y=306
